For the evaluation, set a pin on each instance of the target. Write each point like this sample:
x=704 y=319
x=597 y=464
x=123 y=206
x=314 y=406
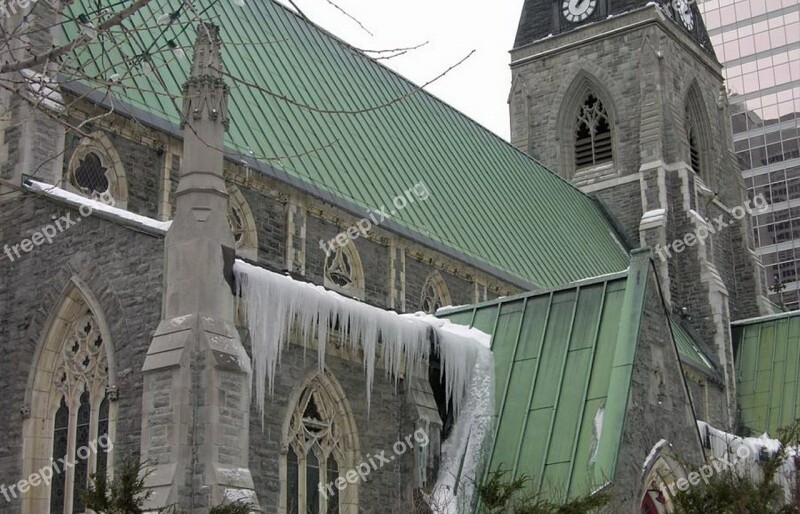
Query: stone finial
x=205 y=95
x=207 y=61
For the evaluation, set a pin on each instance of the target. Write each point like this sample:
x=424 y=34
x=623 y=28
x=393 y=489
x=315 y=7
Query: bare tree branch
x=336 y=6
x=82 y=40
x=345 y=111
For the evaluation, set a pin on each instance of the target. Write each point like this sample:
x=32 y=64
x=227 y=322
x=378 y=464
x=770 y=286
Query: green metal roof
x=688 y=350
x=563 y=364
x=768 y=371
x=487 y=199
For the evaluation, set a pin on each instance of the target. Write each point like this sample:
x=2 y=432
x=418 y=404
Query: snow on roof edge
x=79 y=201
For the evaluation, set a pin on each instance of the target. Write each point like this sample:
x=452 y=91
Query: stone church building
x=138 y=210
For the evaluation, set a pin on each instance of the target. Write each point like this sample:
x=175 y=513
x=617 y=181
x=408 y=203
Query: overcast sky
x=479 y=87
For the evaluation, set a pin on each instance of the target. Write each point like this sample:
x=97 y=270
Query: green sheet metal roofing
x=487 y=199
x=563 y=364
x=768 y=371
x=688 y=350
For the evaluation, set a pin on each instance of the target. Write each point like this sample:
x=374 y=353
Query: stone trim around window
x=95 y=170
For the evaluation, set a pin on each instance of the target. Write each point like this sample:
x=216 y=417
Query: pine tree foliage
x=501 y=495
x=123 y=494
x=732 y=492
x=126 y=493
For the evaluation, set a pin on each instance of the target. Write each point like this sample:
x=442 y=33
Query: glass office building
x=758 y=42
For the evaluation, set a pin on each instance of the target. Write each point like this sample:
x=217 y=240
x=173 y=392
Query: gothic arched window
x=592 y=133
x=319 y=442
x=71 y=419
x=662 y=474
x=81 y=377
x=95 y=171
x=343 y=271
x=242 y=223
x=434 y=294
x=697 y=138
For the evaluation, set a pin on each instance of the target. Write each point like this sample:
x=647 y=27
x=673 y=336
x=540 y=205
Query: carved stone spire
x=201 y=199
x=205 y=95
x=196 y=399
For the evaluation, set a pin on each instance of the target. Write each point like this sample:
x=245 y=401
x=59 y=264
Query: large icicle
x=463 y=451
x=275 y=304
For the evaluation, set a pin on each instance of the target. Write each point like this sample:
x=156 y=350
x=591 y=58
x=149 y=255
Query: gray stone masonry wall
x=379 y=427
x=461 y=291
x=614 y=64
x=29 y=131
x=645 y=75
x=658 y=406
x=270 y=218
x=374 y=260
x=123 y=270
x=712 y=410
x=624 y=204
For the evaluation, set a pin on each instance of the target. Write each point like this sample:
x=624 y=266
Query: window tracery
x=95 y=170
x=343 y=271
x=316 y=451
x=592 y=133
x=242 y=223
x=434 y=294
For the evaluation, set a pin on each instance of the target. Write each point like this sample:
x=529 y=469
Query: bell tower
x=625 y=99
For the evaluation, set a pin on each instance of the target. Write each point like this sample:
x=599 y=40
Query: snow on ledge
x=91 y=206
x=653 y=218
x=651 y=457
x=274 y=303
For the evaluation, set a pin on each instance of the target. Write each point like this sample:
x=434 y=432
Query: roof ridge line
x=589 y=281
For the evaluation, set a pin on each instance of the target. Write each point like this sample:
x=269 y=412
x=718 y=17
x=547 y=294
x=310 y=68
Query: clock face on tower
x=577 y=10
x=683 y=11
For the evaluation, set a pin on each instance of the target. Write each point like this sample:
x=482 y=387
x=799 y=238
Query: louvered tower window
x=694 y=143
x=592 y=134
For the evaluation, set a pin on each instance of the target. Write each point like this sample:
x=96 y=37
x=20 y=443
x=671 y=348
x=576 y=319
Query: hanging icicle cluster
x=276 y=304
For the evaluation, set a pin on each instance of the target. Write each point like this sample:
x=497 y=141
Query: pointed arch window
x=661 y=475
x=343 y=271
x=697 y=136
x=694 y=145
x=316 y=451
x=81 y=378
x=434 y=294
x=95 y=170
x=242 y=223
x=693 y=137
x=71 y=423
x=592 y=133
